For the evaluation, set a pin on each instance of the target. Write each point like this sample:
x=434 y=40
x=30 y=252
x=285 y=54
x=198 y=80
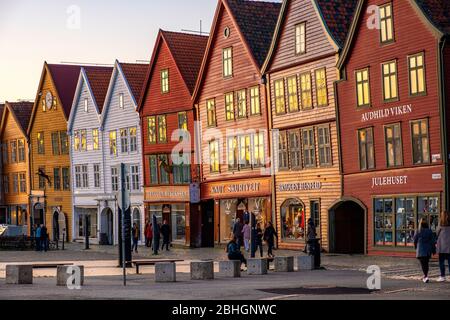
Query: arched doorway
x=347 y=221
x=292 y=220
x=107 y=225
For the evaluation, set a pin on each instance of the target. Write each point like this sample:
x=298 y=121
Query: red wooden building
x=167 y=120
x=394 y=137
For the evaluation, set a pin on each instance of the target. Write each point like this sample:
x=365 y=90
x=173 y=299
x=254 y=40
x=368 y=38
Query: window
x=229 y=106
x=121 y=101
x=165 y=81
x=85 y=174
x=40 y=143
x=386 y=24
x=57 y=179
x=5 y=153
x=22 y=183
x=245 y=159
x=416 y=65
x=258 y=150
x=153 y=162
x=151 y=123
x=86 y=109
x=233 y=154
x=366 y=149
x=95 y=141
x=255 y=105
x=295 y=151
x=241 y=97
x=280 y=105
x=76 y=141
x=78 y=177
x=66 y=179
x=390 y=81
x=283 y=160
x=113 y=143
x=133 y=139
x=306 y=91
x=182 y=121
x=292 y=93
x=315 y=214
x=300 y=38
x=214 y=160
x=21 y=149
x=162 y=129
x=428 y=209
x=384 y=222
x=13 y=151
x=211 y=112
x=420 y=142
x=227 y=57
x=323 y=134
x=97 y=176
x=42 y=181
x=321 y=87
x=363 y=88
x=394 y=152
x=114 y=179
x=15 y=182
x=309 y=150
x=134 y=170
x=405 y=224
x=124 y=140
x=83 y=140
x=181 y=173
x=55 y=143
x=6 y=183
x=64 y=142
x=164 y=171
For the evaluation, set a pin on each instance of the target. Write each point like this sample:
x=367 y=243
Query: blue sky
x=32 y=32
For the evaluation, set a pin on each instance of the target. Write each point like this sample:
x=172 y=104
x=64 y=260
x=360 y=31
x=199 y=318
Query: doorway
x=106 y=232
x=56 y=226
x=208 y=224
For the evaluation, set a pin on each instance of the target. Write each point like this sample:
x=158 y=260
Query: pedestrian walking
x=234 y=253
x=269 y=236
x=246 y=232
x=246 y=217
x=135 y=232
x=148 y=235
x=44 y=238
x=259 y=239
x=237 y=232
x=165 y=231
x=37 y=238
x=146 y=232
x=443 y=244
x=424 y=243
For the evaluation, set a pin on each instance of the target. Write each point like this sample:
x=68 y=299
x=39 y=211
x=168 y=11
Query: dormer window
x=121 y=105
x=86 y=105
x=300 y=38
x=165 y=81
x=386 y=24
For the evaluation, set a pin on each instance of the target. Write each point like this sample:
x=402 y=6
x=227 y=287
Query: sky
x=84 y=31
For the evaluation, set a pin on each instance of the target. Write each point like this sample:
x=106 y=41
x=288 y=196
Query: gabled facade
x=121 y=136
x=231 y=105
x=301 y=70
x=14 y=206
x=87 y=172
x=392 y=122
x=167 y=113
x=51 y=197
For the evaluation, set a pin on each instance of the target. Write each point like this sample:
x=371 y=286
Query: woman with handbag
x=425 y=245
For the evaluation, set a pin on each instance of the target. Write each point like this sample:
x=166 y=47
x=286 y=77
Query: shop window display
x=293 y=221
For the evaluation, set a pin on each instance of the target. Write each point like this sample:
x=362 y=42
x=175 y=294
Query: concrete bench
x=202 y=270
x=230 y=268
x=152 y=262
x=165 y=272
x=257 y=266
x=19 y=274
x=284 y=264
x=63 y=273
x=305 y=263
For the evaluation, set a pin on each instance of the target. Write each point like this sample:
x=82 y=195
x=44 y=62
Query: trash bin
x=315 y=251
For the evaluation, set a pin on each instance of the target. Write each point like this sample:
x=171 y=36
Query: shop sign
x=387 y=113
x=236 y=189
x=436 y=176
x=171 y=193
x=389 y=181
x=301 y=186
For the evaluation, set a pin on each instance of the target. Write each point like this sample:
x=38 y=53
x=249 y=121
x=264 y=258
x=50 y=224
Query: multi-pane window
x=321 y=87
x=6 y=183
x=95 y=141
x=366 y=149
x=64 y=142
x=121 y=101
x=211 y=112
x=386 y=24
x=133 y=139
x=22 y=183
x=78 y=177
x=227 y=57
x=363 y=88
x=83 y=139
x=55 y=143
x=309 y=149
x=42 y=181
x=420 y=142
x=405 y=224
x=164 y=177
x=233 y=153
x=258 y=150
x=182 y=121
x=151 y=126
x=66 y=179
x=13 y=151
x=134 y=171
x=124 y=140
x=245 y=158
x=97 y=176
x=115 y=179
x=162 y=129
x=306 y=91
x=241 y=98
x=324 y=145
x=113 y=143
x=21 y=149
x=15 y=182
x=292 y=93
x=428 y=209
x=300 y=38
x=390 y=89
x=295 y=151
x=315 y=214
x=394 y=152
x=182 y=174
x=165 y=81
x=255 y=104
x=229 y=106
x=416 y=64
x=384 y=222
x=214 y=160
x=153 y=163
x=76 y=141
x=283 y=157
x=56 y=179
x=85 y=176
x=280 y=104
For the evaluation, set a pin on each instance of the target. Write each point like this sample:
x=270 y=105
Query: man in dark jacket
x=165 y=231
x=237 y=232
x=269 y=236
x=44 y=238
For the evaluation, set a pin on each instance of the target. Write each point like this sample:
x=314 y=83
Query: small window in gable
x=86 y=109
x=121 y=104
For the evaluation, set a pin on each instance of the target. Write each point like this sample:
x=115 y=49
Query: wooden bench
x=152 y=262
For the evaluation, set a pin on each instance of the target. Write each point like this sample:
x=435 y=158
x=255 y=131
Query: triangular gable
x=21 y=113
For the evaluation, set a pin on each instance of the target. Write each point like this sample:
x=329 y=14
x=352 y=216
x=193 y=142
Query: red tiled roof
x=99 y=78
x=22 y=111
x=257 y=21
x=188 y=51
x=135 y=75
x=337 y=16
x=438 y=12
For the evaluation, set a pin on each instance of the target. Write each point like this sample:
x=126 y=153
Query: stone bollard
x=202 y=270
x=257 y=266
x=19 y=274
x=284 y=264
x=305 y=263
x=63 y=273
x=165 y=272
x=230 y=268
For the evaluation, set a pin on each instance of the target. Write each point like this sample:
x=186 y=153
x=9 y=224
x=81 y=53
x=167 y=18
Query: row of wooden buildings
x=330 y=110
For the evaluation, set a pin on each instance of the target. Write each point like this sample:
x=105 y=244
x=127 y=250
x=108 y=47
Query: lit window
x=165 y=81
x=245 y=159
x=124 y=140
x=121 y=101
x=214 y=160
x=40 y=143
x=255 y=104
x=229 y=106
x=258 y=150
x=292 y=93
x=394 y=152
x=306 y=91
x=151 y=129
x=233 y=153
x=363 y=88
x=133 y=139
x=83 y=140
x=227 y=57
x=241 y=97
x=420 y=142
x=386 y=24
x=280 y=105
x=95 y=140
x=300 y=38
x=416 y=65
x=366 y=149
x=390 y=81
x=211 y=112
x=113 y=143
x=321 y=88
x=86 y=109
x=162 y=129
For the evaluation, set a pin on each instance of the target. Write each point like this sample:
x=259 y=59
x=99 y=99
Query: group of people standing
x=152 y=236
x=41 y=237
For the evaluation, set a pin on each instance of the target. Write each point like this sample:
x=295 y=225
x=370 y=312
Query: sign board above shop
x=237 y=189
x=167 y=194
x=387 y=113
x=300 y=186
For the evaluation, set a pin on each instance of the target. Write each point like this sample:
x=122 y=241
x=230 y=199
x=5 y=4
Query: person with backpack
x=425 y=245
